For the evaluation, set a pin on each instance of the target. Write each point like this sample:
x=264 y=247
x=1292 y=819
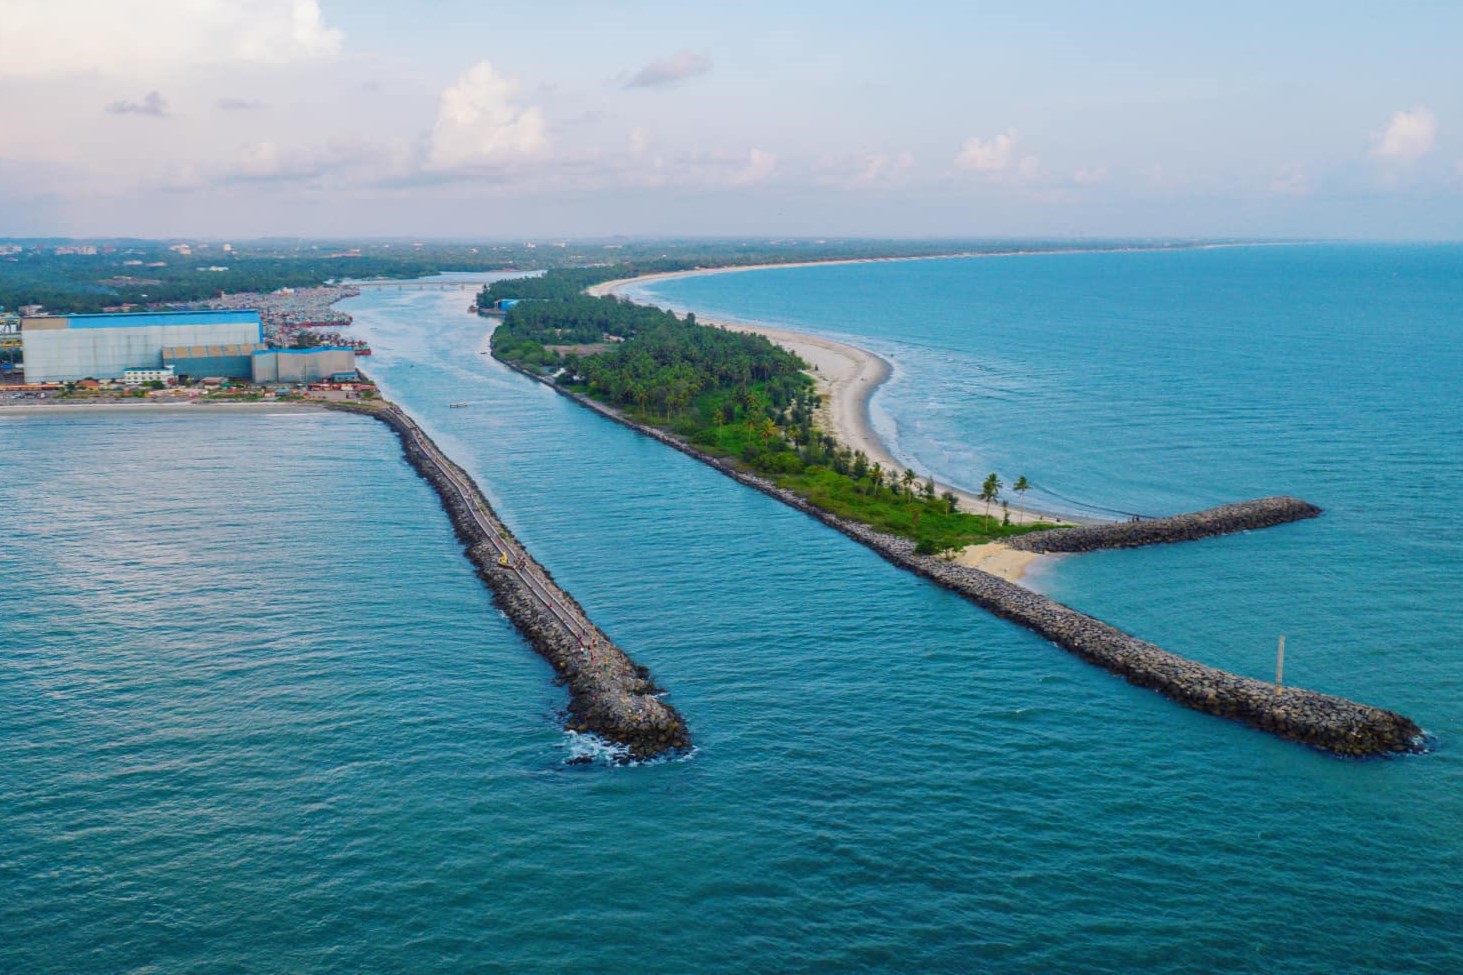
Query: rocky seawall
x=1324 y=721
x=609 y=695
x=1223 y=520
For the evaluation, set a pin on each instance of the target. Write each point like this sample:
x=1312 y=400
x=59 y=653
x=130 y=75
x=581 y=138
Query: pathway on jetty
x=1226 y=519
x=609 y=695
x=1324 y=721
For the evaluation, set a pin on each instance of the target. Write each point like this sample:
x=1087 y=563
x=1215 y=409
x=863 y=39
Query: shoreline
x=53 y=408
x=1334 y=724
x=611 y=287
x=847 y=377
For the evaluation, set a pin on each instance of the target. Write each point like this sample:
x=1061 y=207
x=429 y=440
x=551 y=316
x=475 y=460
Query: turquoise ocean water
x=256 y=713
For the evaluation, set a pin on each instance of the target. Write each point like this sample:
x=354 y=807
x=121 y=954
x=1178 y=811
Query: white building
x=139 y=377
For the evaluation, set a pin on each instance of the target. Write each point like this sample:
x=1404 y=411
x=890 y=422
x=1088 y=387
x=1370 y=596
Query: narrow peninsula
x=746 y=406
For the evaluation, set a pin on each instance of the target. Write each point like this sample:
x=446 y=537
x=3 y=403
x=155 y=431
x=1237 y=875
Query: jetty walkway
x=609 y=695
x=1324 y=721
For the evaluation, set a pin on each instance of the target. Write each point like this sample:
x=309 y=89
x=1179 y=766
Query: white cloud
x=760 y=165
x=263 y=160
x=639 y=142
x=346 y=159
x=1408 y=137
x=997 y=159
x=1090 y=176
x=995 y=156
x=670 y=71
x=873 y=169
x=1291 y=180
x=479 y=123
x=45 y=38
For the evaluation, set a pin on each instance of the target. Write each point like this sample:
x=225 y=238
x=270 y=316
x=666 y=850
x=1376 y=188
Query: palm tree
x=1021 y=486
x=990 y=489
x=929 y=489
x=951 y=502
x=876 y=474
x=908 y=477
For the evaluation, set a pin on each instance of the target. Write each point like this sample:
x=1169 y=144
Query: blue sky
x=592 y=117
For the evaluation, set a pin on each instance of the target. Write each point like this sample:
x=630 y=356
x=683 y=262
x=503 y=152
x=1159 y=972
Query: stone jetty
x=1333 y=724
x=609 y=695
x=1223 y=520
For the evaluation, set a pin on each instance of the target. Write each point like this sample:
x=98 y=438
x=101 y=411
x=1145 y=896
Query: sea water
x=257 y=714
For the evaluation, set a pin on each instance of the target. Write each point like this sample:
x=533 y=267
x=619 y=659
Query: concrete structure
x=234 y=361
x=138 y=377
x=61 y=349
x=304 y=365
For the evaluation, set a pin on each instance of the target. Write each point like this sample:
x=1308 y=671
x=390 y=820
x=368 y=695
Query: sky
x=533 y=119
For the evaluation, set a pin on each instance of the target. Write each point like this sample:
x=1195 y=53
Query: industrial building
x=304 y=365
x=63 y=349
x=208 y=361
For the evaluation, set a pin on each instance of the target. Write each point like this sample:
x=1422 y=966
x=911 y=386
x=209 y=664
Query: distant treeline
x=73 y=283
x=83 y=284
x=730 y=393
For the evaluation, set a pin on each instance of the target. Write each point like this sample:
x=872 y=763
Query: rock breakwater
x=1223 y=520
x=1327 y=722
x=609 y=695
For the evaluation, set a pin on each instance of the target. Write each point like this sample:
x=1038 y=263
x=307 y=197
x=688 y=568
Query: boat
x=456 y=406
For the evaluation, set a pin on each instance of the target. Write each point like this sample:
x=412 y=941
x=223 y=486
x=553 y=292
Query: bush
x=926 y=546
x=781 y=463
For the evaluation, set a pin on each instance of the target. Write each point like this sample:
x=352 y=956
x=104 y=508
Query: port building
x=235 y=361
x=68 y=348
x=323 y=362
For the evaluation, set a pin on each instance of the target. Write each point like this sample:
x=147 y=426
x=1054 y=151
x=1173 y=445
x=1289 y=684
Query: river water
x=257 y=714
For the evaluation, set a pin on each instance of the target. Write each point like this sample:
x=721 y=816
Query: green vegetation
x=731 y=394
x=96 y=274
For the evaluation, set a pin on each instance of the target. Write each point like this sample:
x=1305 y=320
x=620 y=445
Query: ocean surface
x=258 y=715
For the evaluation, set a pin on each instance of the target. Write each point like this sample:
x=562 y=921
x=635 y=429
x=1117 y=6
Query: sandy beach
x=847 y=377
x=1000 y=560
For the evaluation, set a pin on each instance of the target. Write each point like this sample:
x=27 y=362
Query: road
x=510 y=556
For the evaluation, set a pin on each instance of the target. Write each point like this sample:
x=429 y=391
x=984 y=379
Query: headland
x=847 y=377
x=1333 y=724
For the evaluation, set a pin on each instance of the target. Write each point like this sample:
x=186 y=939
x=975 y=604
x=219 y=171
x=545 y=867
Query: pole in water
x=1280 y=663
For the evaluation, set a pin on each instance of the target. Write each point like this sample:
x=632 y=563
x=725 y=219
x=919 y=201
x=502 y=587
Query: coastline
x=611 y=287
x=847 y=377
x=1333 y=724
x=53 y=408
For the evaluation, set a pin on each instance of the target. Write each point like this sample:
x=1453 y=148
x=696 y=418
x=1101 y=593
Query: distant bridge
x=421 y=285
